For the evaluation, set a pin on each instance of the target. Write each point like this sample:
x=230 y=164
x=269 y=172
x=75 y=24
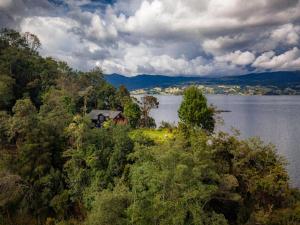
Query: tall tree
x=147 y=103
x=194 y=110
x=23 y=120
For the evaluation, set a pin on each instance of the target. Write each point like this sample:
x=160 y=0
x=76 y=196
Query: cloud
x=58 y=40
x=237 y=57
x=12 y=12
x=287 y=33
x=4 y=4
x=140 y=59
x=223 y=44
x=207 y=18
x=187 y=37
x=99 y=30
x=289 y=60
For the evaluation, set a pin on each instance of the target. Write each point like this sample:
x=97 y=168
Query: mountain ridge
x=282 y=79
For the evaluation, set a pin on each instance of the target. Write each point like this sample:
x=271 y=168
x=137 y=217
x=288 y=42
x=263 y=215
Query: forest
x=56 y=168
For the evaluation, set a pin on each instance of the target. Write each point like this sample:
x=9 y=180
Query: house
x=100 y=116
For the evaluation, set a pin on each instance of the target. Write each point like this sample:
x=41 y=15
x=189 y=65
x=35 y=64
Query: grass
x=157 y=135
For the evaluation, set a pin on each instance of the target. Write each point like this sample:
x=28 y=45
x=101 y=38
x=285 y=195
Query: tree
x=32 y=41
x=4 y=128
x=194 y=110
x=172 y=184
x=55 y=115
x=101 y=95
x=23 y=120
x=118 y=159
x=96 y=157
x=147 y=103
x=110 y=207
x=55 y=166
x=85 y=94
x=6 y=91
x=123 y=96
x=12 y=189
x=13 y=38
x=133 y=113
x=35 y=162
x=22 y=71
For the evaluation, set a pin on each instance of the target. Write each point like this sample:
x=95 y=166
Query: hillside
x=281 y=79
x=58 y=166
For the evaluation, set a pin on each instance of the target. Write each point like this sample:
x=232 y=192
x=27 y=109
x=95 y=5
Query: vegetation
x=133 y=113
x=147 y=103
x=56 y=169
x=194 y=111
x=158 y=136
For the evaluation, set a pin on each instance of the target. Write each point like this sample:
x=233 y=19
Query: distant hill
x=280 y=79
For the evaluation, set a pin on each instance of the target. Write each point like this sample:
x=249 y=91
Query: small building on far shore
x=98 y=117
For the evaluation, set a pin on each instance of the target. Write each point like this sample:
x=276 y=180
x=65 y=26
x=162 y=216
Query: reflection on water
x=275 y=119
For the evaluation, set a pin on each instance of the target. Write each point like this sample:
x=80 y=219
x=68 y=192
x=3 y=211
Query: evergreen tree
x=194 y=110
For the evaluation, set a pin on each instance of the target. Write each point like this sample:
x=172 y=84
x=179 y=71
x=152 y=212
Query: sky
x=168 y=37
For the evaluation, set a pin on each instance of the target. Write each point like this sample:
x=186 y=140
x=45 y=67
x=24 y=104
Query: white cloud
x=287 y=33
x=192 y=17
x=100 y=30
x=58 y=40
x=237 y=57
x=140 y=59
x=289 y=60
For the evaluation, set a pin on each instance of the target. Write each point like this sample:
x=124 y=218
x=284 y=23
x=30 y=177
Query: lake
x=275 y=119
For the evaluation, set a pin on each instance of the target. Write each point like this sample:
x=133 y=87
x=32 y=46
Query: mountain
x=281 y=79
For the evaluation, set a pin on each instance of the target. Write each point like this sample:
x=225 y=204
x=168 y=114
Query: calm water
x=275 y=119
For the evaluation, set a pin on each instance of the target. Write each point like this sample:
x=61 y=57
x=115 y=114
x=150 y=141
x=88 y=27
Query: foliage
x=6 y=91
x=110 y=207
x=4 y=128
x=171 y=185
x=147 y=103
x=132 y=112
x=158 y=136
x=95 y=159
x=166 y=125
x=194 y=111
x=123 y=96
x=56 y=168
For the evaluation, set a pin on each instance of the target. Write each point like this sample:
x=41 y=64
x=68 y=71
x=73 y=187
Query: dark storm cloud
x=12 y=12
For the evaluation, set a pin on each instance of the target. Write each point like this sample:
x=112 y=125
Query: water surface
x=275 y=119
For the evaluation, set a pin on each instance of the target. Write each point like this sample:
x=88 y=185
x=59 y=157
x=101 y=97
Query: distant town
x=222 y=89
x=268 y=83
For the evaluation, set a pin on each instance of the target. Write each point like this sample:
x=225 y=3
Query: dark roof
x=107 y=113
